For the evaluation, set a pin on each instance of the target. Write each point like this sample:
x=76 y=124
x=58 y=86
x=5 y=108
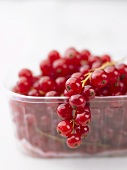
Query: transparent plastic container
x=35 y=122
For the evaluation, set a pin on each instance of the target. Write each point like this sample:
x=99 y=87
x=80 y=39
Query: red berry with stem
x=99 y=78
x=23 y=85
x=77 y=102
x=53 y=55
x=64 y=128
x=73 y=85
x=83 y=118
x=64 y=111
x=73 y=141
x=88 y=92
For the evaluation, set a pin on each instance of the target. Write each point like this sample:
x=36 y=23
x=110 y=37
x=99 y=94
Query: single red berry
x=64 y=111
x=82 y=130
x=60 y=84
x=73 y=85
x=118 y=88
x=69 y=49
x=113 y=74
x=106 y=58
x=64 y=128
x=77 y=102
x=122 y=68
x=51 y=94
x=84 y=55
x=74 y=141
x=114 y=88
x=99 y=78
x=88 y=92
x=23 y=85
x=53 y=55
x=83 y=118
x=25 y=73
x=71 y=55
x=46 y=68
x=46 y=84
x=60 y=67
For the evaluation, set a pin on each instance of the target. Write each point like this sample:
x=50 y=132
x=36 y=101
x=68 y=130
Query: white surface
x=30 y=29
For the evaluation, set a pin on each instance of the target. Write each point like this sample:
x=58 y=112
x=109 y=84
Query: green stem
x=86 y=79
x=42 y=133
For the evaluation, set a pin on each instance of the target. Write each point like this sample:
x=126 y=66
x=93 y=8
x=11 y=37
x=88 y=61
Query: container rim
x=20 y=96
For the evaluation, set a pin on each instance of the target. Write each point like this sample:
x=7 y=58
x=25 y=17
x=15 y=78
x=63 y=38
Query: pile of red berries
x=55 y=70
x=79 y=76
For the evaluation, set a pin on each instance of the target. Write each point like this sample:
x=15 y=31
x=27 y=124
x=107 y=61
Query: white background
x=29 y=29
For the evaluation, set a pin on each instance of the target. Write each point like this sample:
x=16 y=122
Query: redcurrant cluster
x=79 y=76
x=76 y=113
x=110 y=79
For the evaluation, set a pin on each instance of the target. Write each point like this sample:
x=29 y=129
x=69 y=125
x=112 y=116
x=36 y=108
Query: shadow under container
x=35 y=120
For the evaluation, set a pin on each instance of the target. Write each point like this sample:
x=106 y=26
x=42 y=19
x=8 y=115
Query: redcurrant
x=64 y=128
